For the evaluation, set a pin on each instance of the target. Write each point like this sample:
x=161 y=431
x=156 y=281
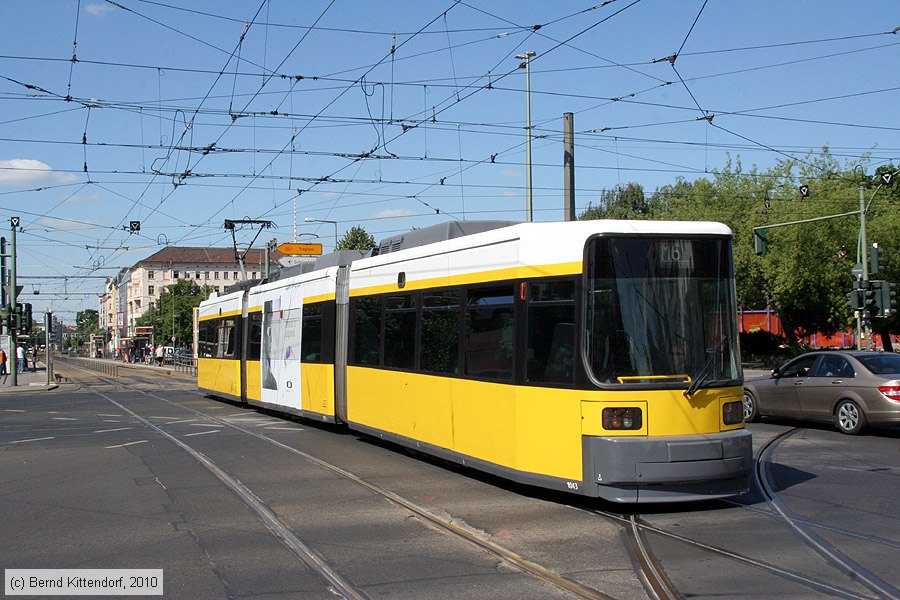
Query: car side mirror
x=776 y=373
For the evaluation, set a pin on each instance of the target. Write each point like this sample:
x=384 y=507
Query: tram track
x=648 y=567
x=804 y=529
x=659 y=586
x=445 y=524
x=662 y=587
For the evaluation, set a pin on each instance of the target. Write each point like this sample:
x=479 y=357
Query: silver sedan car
x=850 y=389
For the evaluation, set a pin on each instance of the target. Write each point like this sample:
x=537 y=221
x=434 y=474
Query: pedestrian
x=34 y=359
x=20 y=358
x=160 y=352
x=3 y=364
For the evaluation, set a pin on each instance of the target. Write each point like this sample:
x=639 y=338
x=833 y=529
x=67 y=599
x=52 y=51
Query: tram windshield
x=661 y=310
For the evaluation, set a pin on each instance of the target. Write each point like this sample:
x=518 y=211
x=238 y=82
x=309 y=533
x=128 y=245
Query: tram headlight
x=622 y=418
x=733 y=412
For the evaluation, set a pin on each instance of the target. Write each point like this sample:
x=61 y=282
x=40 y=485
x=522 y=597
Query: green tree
x=356 y=238
x=621 y=202
x=87 y=323
x=173 y=313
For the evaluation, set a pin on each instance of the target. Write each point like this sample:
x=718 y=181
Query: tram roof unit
x=436 y=233
x=538 y=243
x=403 y=241
x=519 y=250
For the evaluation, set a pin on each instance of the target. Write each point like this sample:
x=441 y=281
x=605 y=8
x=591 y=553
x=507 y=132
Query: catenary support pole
x=568 y=166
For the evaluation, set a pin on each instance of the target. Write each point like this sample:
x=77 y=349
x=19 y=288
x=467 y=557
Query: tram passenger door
x=280 y=355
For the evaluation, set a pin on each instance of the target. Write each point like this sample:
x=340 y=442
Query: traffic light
x=760 y=243
x=871 y=296
x=855 y=299
x=25 y=327
x=888 y=299
x=16 y=317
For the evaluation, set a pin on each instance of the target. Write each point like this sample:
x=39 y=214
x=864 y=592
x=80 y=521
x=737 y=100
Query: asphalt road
x=236 y=503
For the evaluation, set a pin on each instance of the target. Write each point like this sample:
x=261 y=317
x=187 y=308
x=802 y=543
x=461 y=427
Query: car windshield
x=882 y=364
x=661 y=310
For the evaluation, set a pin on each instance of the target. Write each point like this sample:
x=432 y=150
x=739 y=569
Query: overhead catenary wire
x=332 y=187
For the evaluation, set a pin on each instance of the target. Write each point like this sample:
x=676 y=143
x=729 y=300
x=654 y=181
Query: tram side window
x=311 y=334
x=490 y=333
x=206 y=339
x=254 y=344
x=439 y=348
x=227 y=339
x=400 y=331
x=551 y=333
x=367 y=331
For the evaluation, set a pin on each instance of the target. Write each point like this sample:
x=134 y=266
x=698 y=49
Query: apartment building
x=130 y=293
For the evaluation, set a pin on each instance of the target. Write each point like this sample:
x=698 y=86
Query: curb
x=31 y=387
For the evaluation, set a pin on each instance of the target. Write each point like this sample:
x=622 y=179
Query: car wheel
x=751 y=411
x=849 y=417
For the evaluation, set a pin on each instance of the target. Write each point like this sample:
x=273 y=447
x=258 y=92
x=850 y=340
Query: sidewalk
x=29 y=381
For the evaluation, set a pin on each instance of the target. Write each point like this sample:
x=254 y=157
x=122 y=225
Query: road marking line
x=284 y=429
x=128 y=444
x=64 y=419
x=31 y=440
x=12 y=410
x=106 y=415
x=203 y=432
x=116 y=429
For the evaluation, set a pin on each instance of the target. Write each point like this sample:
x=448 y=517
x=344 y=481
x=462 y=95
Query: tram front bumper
x=668 y=469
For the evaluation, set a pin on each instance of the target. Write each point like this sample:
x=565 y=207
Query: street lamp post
x=526 y=56
x=335 y=223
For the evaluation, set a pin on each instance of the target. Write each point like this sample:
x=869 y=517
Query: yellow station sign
x=295 y=249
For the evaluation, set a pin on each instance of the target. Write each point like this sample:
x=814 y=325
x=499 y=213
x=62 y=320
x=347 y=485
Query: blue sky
x=183 y=114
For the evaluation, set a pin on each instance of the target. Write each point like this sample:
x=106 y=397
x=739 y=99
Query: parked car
x=850 y=389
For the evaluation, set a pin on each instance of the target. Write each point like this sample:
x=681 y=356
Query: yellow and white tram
x=596 y=357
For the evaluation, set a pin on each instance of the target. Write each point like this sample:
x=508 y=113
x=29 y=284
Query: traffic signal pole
x=12 y=295
x=48 y=322
x=863 y=253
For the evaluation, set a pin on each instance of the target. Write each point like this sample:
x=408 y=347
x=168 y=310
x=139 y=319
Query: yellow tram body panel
x=220 y=374
x=529 y=429
x=406 y=404
x=253 y=381
x=317 y=387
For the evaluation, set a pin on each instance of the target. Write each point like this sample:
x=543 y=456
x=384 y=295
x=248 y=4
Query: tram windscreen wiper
x=699 y=379
x=702 y=375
